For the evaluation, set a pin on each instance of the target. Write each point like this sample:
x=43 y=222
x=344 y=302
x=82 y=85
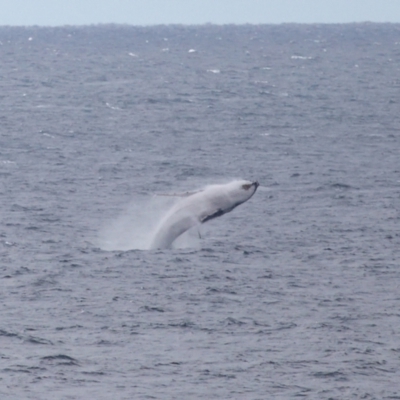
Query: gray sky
x=150 y=12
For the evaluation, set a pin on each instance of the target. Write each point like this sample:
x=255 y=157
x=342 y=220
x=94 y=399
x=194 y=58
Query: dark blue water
x=295 y=294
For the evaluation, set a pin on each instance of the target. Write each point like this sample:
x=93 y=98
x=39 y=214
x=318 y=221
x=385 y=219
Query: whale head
x=240 y=191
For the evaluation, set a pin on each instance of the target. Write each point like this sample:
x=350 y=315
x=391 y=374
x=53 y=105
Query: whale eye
x=246 y=186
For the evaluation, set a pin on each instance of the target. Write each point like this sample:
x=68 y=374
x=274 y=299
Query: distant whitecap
x=300 y=58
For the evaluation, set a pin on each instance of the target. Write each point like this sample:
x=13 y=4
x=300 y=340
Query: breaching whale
x=199 y=207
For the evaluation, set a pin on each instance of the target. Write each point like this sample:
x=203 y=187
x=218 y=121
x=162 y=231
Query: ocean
x=294 y=294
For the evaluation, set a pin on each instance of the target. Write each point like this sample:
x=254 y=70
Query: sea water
x=293 y=294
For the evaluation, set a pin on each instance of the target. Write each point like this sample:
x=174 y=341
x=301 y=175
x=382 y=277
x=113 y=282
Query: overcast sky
x=151 y=12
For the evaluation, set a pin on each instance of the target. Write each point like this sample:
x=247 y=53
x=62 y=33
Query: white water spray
x=134 y=227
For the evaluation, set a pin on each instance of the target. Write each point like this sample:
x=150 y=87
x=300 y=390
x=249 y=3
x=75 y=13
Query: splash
x=134 y=228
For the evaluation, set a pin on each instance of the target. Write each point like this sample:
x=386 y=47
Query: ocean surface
x=294 y=294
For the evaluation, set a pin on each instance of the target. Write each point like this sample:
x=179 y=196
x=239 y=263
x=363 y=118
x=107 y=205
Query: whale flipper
x=217 y=213
x=184 y=194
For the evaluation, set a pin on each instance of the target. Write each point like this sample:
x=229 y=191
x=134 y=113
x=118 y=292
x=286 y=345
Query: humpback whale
x=199 y=207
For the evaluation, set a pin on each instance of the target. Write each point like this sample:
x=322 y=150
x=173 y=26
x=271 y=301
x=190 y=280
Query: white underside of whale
x=199 y=207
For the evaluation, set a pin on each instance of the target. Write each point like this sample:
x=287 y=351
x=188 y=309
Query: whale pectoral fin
x=216 y=214
x=185 y=194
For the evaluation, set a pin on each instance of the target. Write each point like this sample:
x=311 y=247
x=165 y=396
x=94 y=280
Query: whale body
x=199 y=207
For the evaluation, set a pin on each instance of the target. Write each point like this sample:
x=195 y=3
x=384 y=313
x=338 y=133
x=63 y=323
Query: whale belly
x=171 y=229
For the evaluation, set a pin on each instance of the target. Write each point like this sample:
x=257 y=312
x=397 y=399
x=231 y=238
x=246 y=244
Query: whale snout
x=250 y=185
